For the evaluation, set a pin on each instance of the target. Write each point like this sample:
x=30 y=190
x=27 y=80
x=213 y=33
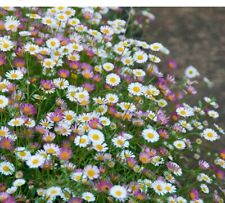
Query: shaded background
x=195 y=36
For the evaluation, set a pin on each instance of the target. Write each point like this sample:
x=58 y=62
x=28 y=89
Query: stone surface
x=194 y=36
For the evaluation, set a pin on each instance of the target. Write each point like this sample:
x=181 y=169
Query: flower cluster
x=86 y=115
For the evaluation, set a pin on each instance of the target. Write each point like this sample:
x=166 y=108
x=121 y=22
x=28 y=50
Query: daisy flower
x=159 y=187
x=112 y=79
x=126 y=106
x=210 y=134
x=73 y=21
x=14 y=75
x=119 y=49
x=62 y=17
x=22 y=153
x=169 y=188
x=49 y=21
x=150 y=135
x=107 y=30
x=53 y=43
x=35 y=161
x=16 y=122
x=179 y=144
x=140 y=57
x=112 y=98
x=105 y=121
x=154 y=58
x=92 y=172
x=3 y=101
x=19 y=182
x=135 y=88
x=82 y=141
x=6 y=168
x=53 y=191
x=184 y=112
x=4 y=132
x=78 y=176
x=156 y=46
x=96 y=136
x=191 y=72
x=48 y=63
x=61 y=83
x=118 y=192
x=139 y=72
x=51 y=149
x=5 y=44
x=87 y=196
x=108 y=66
x=31 y=48
x=213 y=114
x=204 y=188
x=11 y=24
x=120 y=142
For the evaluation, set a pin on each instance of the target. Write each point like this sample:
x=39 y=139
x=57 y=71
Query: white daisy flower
x=179 y=144
x=48 y=63
x=150 y=135
x=154 y=59
x=156 y=46
x=62 y=17
x=11 y=190
x=92 y=172
x=14 y=75
x=162 y=103
x=135 y=88
x=89 y=197
x=112 y=79
x=53 y=43
x=96 y=136
x=126 y=106
x=118 y=192
x=49 y=21
x=185 y=112
x=191 y=72
x=3 y=101
x=213 y=114
x=169 y=188
x=23 y=154
x=35 y=161
x=78 y=176
x=4 y=132
x=31 y=48
x=107 y=30
x=11 y=24
x=112 y=98
x=108 y=66
x=19 y=182
x=61 y=83
x=100 y=147
x=6 y=168
x=16 y=122
x=51 y=149
x=159 y=187
x=138 y=72
x=140 y=57
x=120 y=142
x=81 y=141
x=5 y=44
x=105 y=121
x=53 y=191
x=204 y=188
x=74 y=21
x=210 y=134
